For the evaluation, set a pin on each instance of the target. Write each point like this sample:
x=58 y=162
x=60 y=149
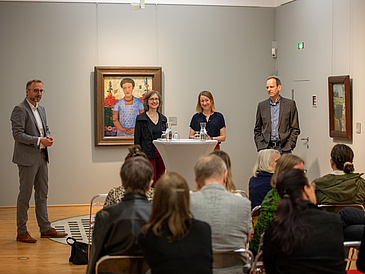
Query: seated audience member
x=117 y=226
x=302 y=238
x=360 y=263
x=353 y=222
x=230 y=186
x=260 y=182
x=342 y=186
x=272 y=199
x=116 y=194
x=172 y=241
x=227 y=214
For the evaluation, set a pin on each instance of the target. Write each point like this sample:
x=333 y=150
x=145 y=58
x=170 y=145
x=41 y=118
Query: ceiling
x=238 y=3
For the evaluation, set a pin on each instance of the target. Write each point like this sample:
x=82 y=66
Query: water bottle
x=203 y=132
x=168 y=132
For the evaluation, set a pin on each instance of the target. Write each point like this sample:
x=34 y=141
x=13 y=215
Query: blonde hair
x=230 y=186
x=205 y=93
x=287 y=161
x=263 y=161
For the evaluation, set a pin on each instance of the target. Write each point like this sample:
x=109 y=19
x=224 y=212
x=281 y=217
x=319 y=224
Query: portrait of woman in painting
x=126 y=109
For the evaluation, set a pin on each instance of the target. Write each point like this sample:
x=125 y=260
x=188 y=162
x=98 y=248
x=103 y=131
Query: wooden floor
x=45 y=256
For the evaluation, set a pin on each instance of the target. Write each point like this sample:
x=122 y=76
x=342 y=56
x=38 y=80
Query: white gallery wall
x=333 y=32
x=226 y=50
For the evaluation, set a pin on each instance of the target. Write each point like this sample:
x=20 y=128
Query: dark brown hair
x=342 y=155
x=135 y=151
x=170 y=207
x=136 y=174
x=289 y=231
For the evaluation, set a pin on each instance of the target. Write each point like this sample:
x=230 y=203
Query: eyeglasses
x=38 y=90
x=153 y=99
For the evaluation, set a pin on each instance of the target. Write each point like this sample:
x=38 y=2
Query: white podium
x=181 y=155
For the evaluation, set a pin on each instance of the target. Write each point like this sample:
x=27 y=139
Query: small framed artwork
x=340 y=107
x=119 y=95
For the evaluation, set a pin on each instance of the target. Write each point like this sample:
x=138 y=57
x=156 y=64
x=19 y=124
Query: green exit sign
x=301 y=45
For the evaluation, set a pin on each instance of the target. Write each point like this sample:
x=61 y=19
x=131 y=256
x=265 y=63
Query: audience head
x=135 y=151
x=227 y=160
x=210 y=169
x=266 y=161
x=136 y=174
x=170 y=206
x=287 y=161
x=210 y=97
x=294 y=189
x=342 y=157
x=294 y=185
x=148 y=96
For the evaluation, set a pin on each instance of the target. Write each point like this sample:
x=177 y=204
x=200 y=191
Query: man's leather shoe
x=25 y=238
x=52 y=233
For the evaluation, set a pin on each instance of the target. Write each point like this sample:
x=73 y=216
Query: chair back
x=96 y=202
x=242 y=192
x=350 y=256
x=238 y=261
x=121 y=264
x=337 y=207
x=258 y=264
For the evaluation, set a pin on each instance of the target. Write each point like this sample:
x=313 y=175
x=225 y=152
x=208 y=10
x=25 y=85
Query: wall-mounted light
x=138 y=6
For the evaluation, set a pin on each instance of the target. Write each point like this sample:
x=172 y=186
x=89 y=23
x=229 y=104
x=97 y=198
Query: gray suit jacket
x=288 y=124
x=26 y=133
x=228 y=215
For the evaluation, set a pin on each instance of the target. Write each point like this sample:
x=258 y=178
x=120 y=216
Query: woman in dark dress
x=302 y=239
x=172 y=241
x=149 y=127
x=206 y=113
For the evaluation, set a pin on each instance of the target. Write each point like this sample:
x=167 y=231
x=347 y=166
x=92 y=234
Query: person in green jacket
x=342 y=186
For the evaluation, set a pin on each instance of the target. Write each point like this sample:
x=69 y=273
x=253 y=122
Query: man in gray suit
x=32 y=137
x=277 y=124
x=227 y=214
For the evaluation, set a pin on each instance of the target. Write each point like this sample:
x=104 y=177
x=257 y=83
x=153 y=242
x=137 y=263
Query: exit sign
x=301 y=45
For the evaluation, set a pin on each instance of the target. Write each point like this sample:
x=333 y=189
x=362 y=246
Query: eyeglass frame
x=38 y=90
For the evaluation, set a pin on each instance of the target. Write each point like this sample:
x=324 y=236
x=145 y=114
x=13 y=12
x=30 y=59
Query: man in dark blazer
x=277 y=124
x=32 y=137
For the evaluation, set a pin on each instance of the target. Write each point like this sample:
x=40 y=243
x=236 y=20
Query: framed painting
x=119 y=95
x=340 y=107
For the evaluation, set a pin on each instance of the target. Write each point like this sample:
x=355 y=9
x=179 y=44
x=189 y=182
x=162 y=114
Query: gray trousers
x=35 y=176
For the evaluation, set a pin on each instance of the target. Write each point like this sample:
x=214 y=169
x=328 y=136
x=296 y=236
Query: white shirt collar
x=31 y=105
x=337 y=172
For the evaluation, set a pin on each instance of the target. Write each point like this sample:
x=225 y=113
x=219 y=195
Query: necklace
x=128 y=101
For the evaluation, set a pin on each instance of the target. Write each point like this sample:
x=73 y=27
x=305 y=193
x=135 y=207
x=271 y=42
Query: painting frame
x=336 y=85
x=100 y=74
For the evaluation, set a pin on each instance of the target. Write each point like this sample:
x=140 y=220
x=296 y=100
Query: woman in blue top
x=260 y=182
x=215 y=124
